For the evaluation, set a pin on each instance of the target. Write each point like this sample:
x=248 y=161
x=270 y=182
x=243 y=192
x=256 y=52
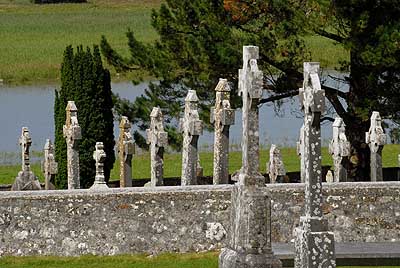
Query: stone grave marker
x=275 y=167
x=99 y=156
x=339 y=148
x=126 y=149
x=49 y=165
x=376 y=139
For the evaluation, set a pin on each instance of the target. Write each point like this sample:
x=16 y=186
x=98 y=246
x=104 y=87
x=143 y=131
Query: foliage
x=85 y=81
x=201 y=41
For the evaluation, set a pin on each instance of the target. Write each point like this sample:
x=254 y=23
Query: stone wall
x=179 y=219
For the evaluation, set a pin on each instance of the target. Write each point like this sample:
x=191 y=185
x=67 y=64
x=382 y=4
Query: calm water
x=32 y=106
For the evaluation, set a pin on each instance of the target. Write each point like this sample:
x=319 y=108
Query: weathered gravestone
x=249 y=243
x=376 y=139
x=26 y=179
x=275 y=167
x=72 y=135
x=99 y=156
x=222 y=116
x=314 y=245
x=126 y=149
x=191 y=127
x=158 y=139
x=339 y=148
x=49 y=165
x=300 y=152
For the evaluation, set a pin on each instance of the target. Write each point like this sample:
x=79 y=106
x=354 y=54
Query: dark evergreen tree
x=87 y=82
x=201 y=40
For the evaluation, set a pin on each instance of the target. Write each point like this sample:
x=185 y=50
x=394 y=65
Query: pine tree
x=87 y=82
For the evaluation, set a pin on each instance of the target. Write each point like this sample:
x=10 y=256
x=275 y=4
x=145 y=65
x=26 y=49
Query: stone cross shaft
x=25 y=142
x=72 y=135
x=126 y=149
x=339 y=148
x=191 y=127
x=49 y=166
x=222 y=116
x=250 y=88
x=275 y=168
x=158 y=140
x=99 y=156
x=314 y=244
x=300 y=152
x=376 y=139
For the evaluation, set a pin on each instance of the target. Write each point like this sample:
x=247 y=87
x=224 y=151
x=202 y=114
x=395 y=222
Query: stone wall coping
x=192 y=188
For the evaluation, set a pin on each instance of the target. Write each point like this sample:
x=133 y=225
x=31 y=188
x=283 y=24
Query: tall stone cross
x=376 y=139
x=158 y=139
x=72 y=135
x=126 y=149
x=99 y=156
x=276 y=168
x=249 y=242
x=49 y=165
x=314 y=245
x=339 y=148
x=300 y=152
x=191 y=127
x=222 y=116
x=25 y=142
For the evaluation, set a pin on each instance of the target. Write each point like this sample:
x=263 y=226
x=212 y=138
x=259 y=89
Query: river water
x=32 y=106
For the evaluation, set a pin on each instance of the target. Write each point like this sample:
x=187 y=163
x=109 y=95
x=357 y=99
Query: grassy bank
x=188 y=260
x=172 y=163
x=33 y=37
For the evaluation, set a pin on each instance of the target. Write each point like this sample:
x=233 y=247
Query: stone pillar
x=158 y=139
x=300 y=152
x=249 y=243
x=339 y=148
x=26 y=179
x=376 y=139
x=275 y=166
x=99 y=157
x=72 y=135
x=314 y=245
x=49 y=165
x=126 y=149
x=222 y=116
x=191 y=127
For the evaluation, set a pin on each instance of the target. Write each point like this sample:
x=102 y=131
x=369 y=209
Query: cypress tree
x=88 y=83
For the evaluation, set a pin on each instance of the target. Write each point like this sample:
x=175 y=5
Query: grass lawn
x=189 y=260
x=33 y=37
x=172 y=163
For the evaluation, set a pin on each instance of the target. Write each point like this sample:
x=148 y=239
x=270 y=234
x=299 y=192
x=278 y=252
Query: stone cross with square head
x=191 y=127
x=222 y=116
x=25 y=142
x=250 y=88
x=49 y=165
x=158 y=140
x=99 y=156
x=339 y=148
x=376 y=139
x=126 y=149
x=72 y=135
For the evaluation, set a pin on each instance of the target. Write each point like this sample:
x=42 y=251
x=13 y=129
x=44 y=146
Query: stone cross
x=300 y=152
x=249 y=242
x=222 y=116
x=314 y=245
x=191 y=127
x=99 y=157
x=25 y=180
x=126 y=149
x=72 y=135
x=339 y=148
x=376 y=139
x=158 y=140
x=275 y=167
x=49 y=165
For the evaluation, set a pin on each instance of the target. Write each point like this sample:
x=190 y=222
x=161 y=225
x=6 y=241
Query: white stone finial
x=99 y=156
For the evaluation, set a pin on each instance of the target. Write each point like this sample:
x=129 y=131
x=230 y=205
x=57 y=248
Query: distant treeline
x=57 y=1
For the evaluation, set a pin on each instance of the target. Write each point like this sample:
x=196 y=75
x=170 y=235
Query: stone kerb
x=222 y=116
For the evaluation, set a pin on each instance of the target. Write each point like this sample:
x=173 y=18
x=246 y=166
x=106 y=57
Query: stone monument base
x=26 y=181
x=99 y=186
x=233 y=259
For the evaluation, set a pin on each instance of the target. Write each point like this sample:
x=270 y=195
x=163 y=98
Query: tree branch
x=333 y=91
x=329 y=35
x=280 y=96
x=327 y=118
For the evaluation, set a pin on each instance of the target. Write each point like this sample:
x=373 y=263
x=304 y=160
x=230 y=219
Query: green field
x=172 y=163
x=189 y=260
x=33 y=37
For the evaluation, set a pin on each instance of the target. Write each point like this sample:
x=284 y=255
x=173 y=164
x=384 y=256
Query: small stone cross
x=49 y=165
x=275 y=168
x=99 y=156
x=126 y=149
x=25 y=142
x=376 y=139
x=339 y=148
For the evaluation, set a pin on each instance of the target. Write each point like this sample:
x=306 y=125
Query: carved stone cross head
x=250 y=77
x=156 y=134
x=222 y=108
x=25 y=141
x=99 y=155
x=72 y=130
x=339 y=146
x=375 y=137
x=312 y=97
x=191 y=123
